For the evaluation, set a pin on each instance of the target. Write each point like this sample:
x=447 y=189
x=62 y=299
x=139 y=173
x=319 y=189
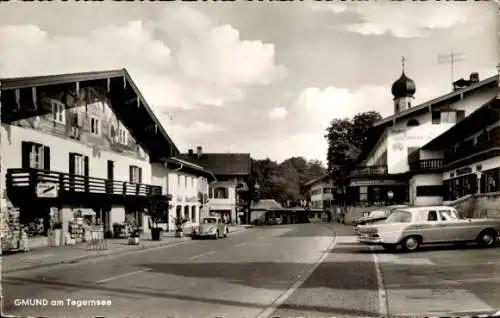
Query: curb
x=103 y=253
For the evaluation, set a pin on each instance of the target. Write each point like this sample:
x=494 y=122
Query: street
x=262 y=272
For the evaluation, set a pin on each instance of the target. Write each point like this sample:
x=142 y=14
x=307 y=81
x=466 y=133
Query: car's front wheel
x=411 y=244
x=226 y=233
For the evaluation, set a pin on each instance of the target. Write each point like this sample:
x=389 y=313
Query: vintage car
x=414 y=226
x=375 y=216
x=211 y=227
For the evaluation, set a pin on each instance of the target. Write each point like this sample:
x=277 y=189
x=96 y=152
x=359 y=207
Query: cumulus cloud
x=182 y=60
x=378 y=18
x=277 y=113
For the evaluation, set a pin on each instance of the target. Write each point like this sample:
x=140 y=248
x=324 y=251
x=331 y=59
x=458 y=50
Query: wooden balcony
x=426 y=165
x=65 y=187
x=366 y=171
x=469 y=149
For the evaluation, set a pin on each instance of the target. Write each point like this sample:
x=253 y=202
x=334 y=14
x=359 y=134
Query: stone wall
x=478 y=205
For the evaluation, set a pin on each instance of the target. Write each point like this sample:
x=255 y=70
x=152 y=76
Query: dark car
x=375 y=216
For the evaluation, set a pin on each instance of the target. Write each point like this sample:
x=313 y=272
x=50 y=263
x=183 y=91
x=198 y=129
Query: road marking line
x=382 y=295
x=240 y=244
x=122 y=276
x=202 y=254
x=301 y=279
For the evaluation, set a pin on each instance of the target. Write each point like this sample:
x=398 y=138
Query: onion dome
x=403 y=87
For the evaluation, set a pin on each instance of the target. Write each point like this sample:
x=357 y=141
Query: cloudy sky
x=258 y=77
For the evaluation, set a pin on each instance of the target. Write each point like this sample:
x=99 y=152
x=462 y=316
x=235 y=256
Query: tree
x=345 y=139
x=285 y=181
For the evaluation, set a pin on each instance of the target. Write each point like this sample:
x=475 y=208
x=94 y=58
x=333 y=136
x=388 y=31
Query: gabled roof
x=189 y=167
x=476 y=121
x=380 y=126
x=150 y=134
x=317 y=180
x=222 y=164
x=266 y=204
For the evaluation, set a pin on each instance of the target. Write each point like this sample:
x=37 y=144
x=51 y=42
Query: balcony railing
x=70 y=183
x=369 y=171
x=427 y=164
x=468 y=149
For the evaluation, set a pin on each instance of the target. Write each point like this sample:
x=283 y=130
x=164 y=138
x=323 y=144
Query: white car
x=415 y=226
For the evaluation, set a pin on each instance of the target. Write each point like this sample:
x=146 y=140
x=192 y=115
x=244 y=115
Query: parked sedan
x=211 y=227
x=413 y=227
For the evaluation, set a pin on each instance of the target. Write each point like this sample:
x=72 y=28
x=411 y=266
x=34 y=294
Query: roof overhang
x=188 y=167
x=128 y=103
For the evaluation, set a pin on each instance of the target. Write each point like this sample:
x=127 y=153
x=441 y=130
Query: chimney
x=190 y=152
x=198 y=151
x=474 y=77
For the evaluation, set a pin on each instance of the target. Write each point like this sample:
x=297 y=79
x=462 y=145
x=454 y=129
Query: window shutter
x=71 y=163
x=140 y=175
x=86 y=166
x=46 y=158
x=25 y=154
x=130 y=169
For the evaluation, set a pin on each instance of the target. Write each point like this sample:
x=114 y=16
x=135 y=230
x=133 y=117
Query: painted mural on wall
x=85 y=117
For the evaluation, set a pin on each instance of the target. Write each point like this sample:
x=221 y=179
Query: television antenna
x=451 y=59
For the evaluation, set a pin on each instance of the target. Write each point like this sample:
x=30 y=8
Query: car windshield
x=209 y=220
x=399 y=216
x=376 y=213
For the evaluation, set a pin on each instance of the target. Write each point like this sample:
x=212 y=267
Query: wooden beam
x=77 y=89
x=108 y=84
x=124 y=82
x=138 y=102
x=18 y=98
x=34 y=97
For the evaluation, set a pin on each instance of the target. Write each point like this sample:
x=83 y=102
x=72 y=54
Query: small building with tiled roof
x=232 y=171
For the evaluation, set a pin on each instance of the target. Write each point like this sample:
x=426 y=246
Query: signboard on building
x=358 y=183
x=47 y=190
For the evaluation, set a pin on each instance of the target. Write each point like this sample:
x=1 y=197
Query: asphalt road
x=261 y=272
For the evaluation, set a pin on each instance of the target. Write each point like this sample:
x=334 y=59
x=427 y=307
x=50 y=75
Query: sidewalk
x=49 y=256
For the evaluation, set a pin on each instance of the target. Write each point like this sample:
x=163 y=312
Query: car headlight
x=211 y=230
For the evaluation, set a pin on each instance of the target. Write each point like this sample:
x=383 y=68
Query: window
x=221 y=193
x=35 y=156
x=448 y=215
x=185 y=181
x=192 y=182
x=449 y=117
x=436 y=117
x=78 y=164
x=412 y=122
x=122 y=136
x=178 y=180
x=399 y=216
x=460 y=115
x=58 y=112
x=363 y=193
x=135 y=174
x=95 y=126
x=432 y=216
x=430 y=191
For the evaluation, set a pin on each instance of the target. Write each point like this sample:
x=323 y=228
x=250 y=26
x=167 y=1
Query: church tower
x=403 y=90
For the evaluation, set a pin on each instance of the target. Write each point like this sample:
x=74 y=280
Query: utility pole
x=451 y=59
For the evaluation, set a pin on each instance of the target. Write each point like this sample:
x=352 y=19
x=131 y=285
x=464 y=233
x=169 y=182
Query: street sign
x=47 y=190
x=390 y=195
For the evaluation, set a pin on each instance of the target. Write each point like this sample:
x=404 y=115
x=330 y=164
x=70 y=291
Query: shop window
x=429 y=191
x=412 y=122
x=35 y=155
x=193 y=214
x=135 y=174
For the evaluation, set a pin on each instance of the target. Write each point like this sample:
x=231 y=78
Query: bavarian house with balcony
x=76 y=151
x=470 y=152
x=391 y=167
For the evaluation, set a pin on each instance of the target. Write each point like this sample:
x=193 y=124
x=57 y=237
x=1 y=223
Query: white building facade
x=393 y=169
